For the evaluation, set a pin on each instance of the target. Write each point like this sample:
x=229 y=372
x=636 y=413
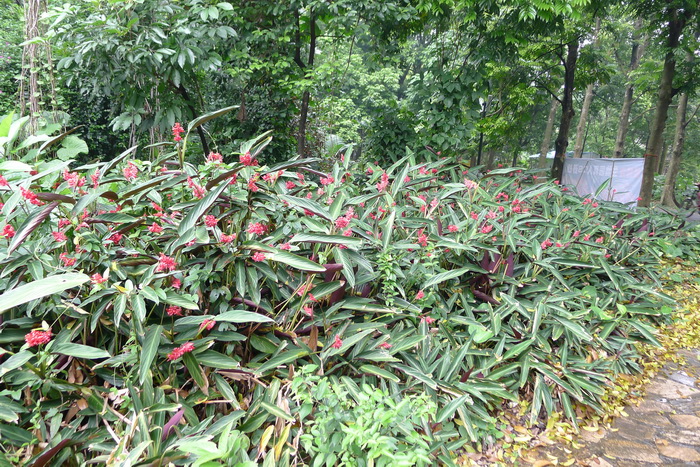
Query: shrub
x=171 y=303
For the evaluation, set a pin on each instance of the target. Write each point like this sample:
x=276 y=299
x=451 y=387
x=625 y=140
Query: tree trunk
x=567 y=110
x=629 y=93
x=588 y=97
x=30 y=65
x=674 y=164
x=547 y=140
x=666 y=91
x=306 y=96
x=582 y=121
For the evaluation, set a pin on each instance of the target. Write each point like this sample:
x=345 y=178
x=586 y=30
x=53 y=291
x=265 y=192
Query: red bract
x=38 y=337
x=383 y=182
x=174 y=310
x=30 y=196
x=116 y=237
x=247 y=160
x=155 y=228
x=337 y=343
x=214 y=157
x=290 y=184
x=259 y=256
x=3 y=181
x=285 y=246
x=420 y=295
x=227 y=238
x=177 y=131
x=95 y=178
x=325 y=181
x=176 y=284
x=452 y=228
x=97 y=278
x=385 y=345
x=180 y=351
x=210 y=221
x=67 y=261
x=130 y=172
x=8 y=231
x=427 y=319
x=207 y=324
x=198 y=191
x=166 y=264
x=486 y=228
x=256 y=228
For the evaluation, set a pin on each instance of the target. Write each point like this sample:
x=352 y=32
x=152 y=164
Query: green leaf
x=307 y=204
x=295 y=261
x=330 y=239
x=71 y=147
x=15 y=361
x=447 y=275
x=79 y=351
x=40 y=289
x=276 y=411
x=196 y=372
x=149 y=351
x=215 y=359
x=373 y=370
x=448 y=410
x=199 y=121
x=176 y=299
x=199 y=209
x=241 y=316
x=30 y=224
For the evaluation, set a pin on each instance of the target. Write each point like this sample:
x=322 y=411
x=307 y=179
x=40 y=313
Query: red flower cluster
x=259 y=256
x=166 y=264
x=67 y=262
x=247 y=160
x=3 y=181
x=38 y=337
x=227 y=238
x=383 y=183
x=452 y=228
x=207 y=324
x=130 y=172
x=337 y=343
x=385 y=346
x=256 y=228
x=155 y=228
x=59 y=236
x=73 y=179
x=180 y=351
x=198 y=191
x=174 y=310
x=8 y=231
x=290 y=184
x=215 y=158
x=30 y=196
x=325 y=181
x=210 y=221
x=95 y=178
x=420 y=295
x=97 y=278
x=177 y=131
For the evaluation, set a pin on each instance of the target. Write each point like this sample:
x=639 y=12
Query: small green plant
x=362 y=425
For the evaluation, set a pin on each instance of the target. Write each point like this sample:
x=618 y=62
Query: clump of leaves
x=173 y=295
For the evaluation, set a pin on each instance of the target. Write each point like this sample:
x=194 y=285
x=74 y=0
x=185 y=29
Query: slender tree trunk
x=656 y=134
x=306 y=96
x=583 y=121
x=674 y=164
x=548 y=131
x=567 y=110
x=490 y=158
x=588 y=97
x=31 y=94
x=637 y=51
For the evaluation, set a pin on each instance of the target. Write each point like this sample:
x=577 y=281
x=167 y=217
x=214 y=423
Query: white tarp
x=587 y=175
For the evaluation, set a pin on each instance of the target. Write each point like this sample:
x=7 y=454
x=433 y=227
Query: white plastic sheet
x=587 y=175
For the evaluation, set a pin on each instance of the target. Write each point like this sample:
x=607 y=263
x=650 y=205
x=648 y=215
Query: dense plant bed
x=560 y=440
x=161 y=311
